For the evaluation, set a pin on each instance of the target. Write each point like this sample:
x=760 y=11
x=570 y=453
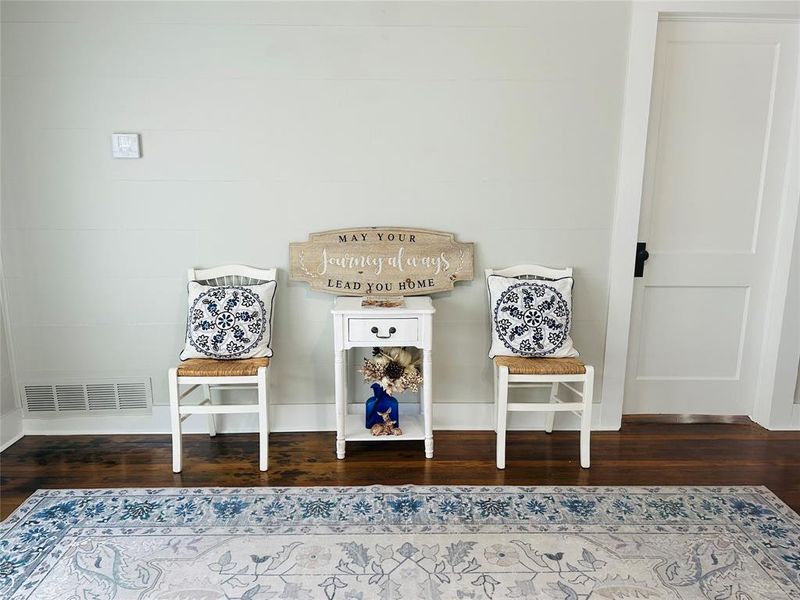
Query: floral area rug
x=414 y=543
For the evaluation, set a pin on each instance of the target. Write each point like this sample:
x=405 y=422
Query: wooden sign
x=380 y=261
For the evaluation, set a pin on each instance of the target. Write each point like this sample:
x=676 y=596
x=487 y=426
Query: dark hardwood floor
x=647 y=451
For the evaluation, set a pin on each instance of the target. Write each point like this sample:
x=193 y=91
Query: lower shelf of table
x=413 y=427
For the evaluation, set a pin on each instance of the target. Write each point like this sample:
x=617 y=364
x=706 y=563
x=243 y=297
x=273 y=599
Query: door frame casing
x=630 y=180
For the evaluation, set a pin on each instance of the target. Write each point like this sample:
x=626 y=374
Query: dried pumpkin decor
x=395 y=369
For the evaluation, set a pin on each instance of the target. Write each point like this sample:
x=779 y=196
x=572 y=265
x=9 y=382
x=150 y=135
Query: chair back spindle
x=232 y=275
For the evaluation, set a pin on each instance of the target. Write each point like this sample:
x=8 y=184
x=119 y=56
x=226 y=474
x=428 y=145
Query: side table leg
x=427 y=399
x=341 y=402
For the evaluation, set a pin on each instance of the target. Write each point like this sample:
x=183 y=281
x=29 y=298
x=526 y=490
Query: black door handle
x=383 y=337
x=641 y=256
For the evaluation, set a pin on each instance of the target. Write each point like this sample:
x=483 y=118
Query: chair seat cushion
x=518 y=365
x=207 y=367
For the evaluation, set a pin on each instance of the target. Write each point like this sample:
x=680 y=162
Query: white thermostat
x=125 y=145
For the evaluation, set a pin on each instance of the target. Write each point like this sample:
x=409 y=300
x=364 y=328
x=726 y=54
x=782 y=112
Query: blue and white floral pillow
x=531 y=317
x=229 y=321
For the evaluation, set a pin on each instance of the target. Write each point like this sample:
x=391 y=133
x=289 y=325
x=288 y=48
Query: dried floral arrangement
x=395 y=369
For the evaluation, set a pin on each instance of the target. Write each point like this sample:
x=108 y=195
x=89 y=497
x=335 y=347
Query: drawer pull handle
x=383 y=337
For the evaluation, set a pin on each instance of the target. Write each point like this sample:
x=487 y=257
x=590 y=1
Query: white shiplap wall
x=263 y=122
x=10 y=414
x=7 y=402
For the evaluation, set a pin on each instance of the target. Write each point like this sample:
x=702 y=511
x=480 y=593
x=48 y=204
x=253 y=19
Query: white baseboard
x=10 y=428
x=291 y=417
x=792 y=425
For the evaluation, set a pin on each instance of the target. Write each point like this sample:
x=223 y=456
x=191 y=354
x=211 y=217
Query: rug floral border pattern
x=30 y=539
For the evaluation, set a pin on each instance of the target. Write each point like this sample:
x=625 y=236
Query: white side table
x=357 y=327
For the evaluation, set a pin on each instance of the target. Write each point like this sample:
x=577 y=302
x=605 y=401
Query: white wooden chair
x=209 y=374
x=520 y=372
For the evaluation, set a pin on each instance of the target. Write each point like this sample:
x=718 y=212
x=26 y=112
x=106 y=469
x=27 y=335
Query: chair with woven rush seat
x=536 y=372
x=229 y=373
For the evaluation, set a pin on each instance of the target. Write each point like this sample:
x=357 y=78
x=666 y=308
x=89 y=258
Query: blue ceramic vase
x=381 y=402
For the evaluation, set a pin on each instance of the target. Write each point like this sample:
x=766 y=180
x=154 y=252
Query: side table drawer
x=389 y=332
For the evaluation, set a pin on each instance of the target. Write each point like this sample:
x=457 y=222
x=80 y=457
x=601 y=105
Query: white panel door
x=718 y=139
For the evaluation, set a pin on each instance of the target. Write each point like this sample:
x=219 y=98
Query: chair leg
x=263 y=419
x=494 y=381
x=212 y=423
x=586 y=417
x=550 y=418
x=502 y=416
x=175 y=418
